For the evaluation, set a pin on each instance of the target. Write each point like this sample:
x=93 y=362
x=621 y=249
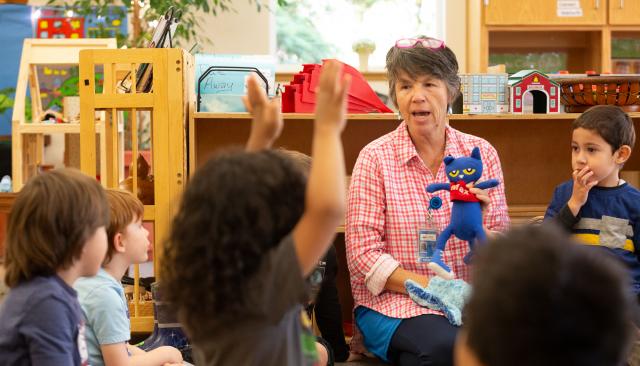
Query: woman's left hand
x=482 y=195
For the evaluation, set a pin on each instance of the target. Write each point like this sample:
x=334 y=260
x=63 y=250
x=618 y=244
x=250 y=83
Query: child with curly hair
x=248 y=233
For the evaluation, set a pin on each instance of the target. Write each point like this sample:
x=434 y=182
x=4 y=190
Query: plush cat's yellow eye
x=454 y=173
x=469 y=171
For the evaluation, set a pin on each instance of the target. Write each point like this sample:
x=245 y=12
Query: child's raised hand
x=266 y=124
x=331 y=104
x=582 y=184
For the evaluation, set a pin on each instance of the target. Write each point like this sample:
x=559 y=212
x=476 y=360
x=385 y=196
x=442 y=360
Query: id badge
x=426 y=244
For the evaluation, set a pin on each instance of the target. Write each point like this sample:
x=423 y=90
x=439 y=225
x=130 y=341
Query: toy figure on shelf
x=145 y=181
x=531 y=91
x=466 y=212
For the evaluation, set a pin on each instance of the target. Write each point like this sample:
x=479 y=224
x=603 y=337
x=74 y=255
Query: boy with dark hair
x=539 y=299
x=102 y=297
x=55 y=234
x=598 y=207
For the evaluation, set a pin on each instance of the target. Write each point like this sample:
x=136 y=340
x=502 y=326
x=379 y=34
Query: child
x=325 y=301
x=102 y=297
x=246 y=236
x=55 y=234
x=539 y=299
x=598 y=207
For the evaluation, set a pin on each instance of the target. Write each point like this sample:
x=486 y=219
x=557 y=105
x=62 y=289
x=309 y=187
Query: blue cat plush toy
x=466 y=212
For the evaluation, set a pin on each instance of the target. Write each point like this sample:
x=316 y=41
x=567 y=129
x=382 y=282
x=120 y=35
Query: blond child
x=245 y=237
x=102 y=297
x=596 y=206
x=55 y=234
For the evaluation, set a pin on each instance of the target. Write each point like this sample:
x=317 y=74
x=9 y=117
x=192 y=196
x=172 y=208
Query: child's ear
x=118 y=243
x=622 y=154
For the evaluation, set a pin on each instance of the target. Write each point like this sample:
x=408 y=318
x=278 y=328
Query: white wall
x=243 y=31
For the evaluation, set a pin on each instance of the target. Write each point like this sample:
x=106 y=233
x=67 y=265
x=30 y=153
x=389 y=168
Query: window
x=518 y=90
x=308 y=30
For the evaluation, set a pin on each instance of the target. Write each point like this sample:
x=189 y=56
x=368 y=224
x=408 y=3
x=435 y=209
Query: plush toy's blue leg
x=480 y=237
x=437 y=264
x=469 y=255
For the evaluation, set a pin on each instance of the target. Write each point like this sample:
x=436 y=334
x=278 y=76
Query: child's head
x=236 y=207
x=540 y=299
x=602 y=139
x=301 y=160
x=58 y=220
x=125 y=233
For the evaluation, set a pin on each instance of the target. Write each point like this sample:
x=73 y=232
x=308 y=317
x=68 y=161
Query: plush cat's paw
x=468 y=258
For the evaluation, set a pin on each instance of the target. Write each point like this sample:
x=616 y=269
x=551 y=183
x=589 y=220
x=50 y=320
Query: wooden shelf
x=141 y=324
x=534 y=149
x=292 y=116
x=49 y=128
x=394 y=116
x=149 y=213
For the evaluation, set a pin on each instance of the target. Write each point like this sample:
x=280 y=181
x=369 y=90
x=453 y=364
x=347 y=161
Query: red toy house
x=533 y=92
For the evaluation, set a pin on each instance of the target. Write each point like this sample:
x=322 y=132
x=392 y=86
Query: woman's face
x=422 y=101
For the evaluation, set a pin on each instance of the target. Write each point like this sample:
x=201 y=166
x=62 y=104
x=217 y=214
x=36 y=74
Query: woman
x=388 y=205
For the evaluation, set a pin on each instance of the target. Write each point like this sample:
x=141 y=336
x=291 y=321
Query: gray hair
x=418 y=61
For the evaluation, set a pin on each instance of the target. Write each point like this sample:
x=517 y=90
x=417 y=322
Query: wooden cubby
x=534 y=26
x=167 y=105
x=28 y=136
x=534 y=149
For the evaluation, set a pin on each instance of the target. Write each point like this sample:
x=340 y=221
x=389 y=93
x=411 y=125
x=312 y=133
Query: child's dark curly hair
x=541 y=299
x=236 y=207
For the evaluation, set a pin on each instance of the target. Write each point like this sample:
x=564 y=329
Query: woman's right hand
x=331 y=103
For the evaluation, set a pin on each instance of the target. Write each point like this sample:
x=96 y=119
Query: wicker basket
x=578 y=94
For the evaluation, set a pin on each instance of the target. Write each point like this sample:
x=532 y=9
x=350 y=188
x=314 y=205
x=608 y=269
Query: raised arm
x=266 y=124
x=325 y=201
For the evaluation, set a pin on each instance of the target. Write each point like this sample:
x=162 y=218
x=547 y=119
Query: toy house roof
x=522 y=74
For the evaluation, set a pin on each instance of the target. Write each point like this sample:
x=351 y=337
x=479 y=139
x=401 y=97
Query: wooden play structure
x=28 y=136
x=164 y=109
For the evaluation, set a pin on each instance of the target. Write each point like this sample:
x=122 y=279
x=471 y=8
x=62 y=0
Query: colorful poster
x=15 y=26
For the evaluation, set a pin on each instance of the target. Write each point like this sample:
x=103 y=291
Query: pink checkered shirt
x=387 y=205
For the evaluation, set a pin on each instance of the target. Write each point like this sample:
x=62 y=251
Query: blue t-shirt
x=378 y=329
x=105 y=311
x=608 y=221
x=41 y=324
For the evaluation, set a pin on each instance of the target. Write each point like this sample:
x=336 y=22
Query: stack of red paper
x=300 y=97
